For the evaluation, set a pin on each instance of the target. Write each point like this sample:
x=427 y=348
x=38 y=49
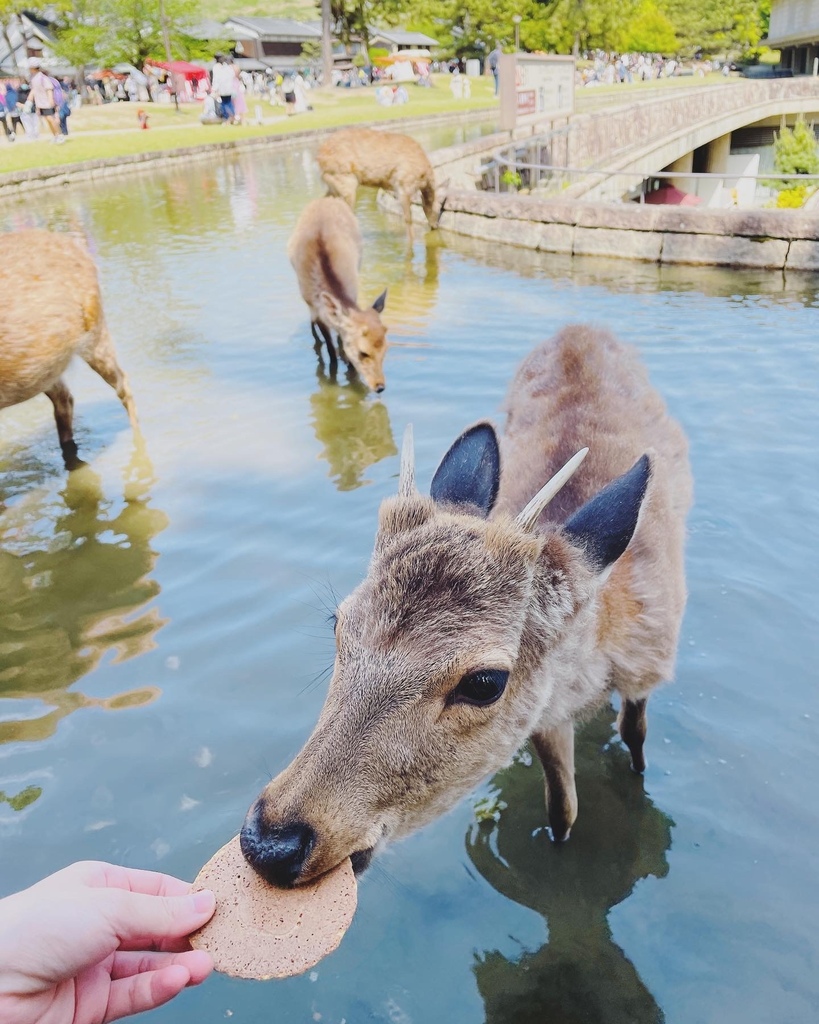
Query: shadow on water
x=580 y=975
x=352 y=428
x=75 y=575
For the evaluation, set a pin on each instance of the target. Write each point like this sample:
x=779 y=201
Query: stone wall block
x=725 y=250
x=632 y=245
x=803 y=255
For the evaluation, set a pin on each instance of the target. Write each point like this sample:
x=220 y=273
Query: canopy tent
x=134 y=72
x=190 y=72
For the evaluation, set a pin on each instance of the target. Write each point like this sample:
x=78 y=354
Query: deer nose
x=379 y=388
x=278 y=854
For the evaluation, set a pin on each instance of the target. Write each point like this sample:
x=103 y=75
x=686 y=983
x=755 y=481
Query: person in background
x=494 y=65
x=239 y=97
x=8 y=108
x=28 y=119
x=62 y=106
x=97 y=942
x=42 y=97
x=223 y=83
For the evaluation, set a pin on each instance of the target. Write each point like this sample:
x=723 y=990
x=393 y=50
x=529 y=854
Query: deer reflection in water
x=353 y=430
x=74 y=580
x=580 y=975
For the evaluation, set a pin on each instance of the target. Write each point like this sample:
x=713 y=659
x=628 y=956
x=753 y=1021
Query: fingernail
x=204 y=901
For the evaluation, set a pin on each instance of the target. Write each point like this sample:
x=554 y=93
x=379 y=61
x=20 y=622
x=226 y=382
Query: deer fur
x=388 y=160
x=325 y=250
x=582 y=599
x=51 y=310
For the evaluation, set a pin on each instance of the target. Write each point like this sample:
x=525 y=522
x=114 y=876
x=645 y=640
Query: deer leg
x=322 y=334
x=406 y=205
x=555 y=748
x=632 y=725
x=103 y=360
x=63 y=402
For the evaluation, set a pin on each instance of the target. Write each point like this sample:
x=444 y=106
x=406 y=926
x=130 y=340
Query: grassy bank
x=111 y=130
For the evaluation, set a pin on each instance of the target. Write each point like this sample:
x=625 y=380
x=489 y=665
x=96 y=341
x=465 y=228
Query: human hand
x=96 y=942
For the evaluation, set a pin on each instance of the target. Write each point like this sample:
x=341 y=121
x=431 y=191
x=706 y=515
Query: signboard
x=535 y=87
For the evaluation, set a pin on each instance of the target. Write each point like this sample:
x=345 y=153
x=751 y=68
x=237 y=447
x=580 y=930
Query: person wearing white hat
x=42 y=97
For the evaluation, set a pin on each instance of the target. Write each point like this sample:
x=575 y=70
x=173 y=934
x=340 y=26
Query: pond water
x=164 y=625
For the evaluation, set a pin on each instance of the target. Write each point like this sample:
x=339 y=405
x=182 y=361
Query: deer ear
x=469 y=473
x=332 y=305
x=604 y=526
x=380 y=302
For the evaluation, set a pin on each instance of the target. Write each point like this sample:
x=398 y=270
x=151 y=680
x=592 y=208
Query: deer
x=387 y=160
x=52 y=311
x=325 y=250
x=496 y=610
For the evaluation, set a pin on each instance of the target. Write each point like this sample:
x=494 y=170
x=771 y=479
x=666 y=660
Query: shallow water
x=163 y=623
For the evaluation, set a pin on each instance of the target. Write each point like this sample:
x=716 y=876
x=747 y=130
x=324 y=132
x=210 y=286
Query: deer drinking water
x=495 y=611
x=51 y=311
x=325 y=250
x=388 y=160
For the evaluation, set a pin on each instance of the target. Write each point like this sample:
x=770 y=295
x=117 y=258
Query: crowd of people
x=26 y=104
x=624 y=68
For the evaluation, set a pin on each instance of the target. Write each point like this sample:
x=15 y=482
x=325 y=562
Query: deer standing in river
x=325 y=250
x=494 y=611
x=396 y=163
x=51 y=310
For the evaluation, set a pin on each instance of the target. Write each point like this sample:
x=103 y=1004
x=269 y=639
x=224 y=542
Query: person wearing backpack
x=61 y=105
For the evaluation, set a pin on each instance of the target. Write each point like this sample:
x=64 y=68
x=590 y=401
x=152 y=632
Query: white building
x=794 y=30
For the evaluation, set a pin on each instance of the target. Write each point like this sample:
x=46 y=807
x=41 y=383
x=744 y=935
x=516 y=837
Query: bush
x=792 y=198
x=796 y=151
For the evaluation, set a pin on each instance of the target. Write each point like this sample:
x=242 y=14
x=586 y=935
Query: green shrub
x=792 y=198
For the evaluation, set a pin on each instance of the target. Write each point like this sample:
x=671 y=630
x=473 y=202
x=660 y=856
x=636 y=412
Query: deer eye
x=480 y=688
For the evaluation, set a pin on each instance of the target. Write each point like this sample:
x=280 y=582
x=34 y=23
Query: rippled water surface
x=163 y=625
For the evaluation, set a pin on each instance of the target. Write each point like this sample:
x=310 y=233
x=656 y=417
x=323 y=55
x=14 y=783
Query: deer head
x=461 y=639
x=363 y=336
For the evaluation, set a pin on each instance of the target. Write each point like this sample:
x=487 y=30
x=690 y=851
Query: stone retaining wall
x=782 y=239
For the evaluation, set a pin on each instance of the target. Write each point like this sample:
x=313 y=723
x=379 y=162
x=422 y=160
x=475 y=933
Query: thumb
x=157 y=920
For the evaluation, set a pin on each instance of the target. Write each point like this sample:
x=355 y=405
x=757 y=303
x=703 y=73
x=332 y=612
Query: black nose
x=380 y=388
x=278 y=854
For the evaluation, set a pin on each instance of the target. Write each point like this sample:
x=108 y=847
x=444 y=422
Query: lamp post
x=517 y=19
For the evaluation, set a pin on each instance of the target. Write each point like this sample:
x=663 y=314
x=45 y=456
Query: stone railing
x=598 y=138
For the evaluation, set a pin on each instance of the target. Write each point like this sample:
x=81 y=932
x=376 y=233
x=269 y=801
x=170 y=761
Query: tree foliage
x=651 y=31
x=109 y=31
x=795 y=149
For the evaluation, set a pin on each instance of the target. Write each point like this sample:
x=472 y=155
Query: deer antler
x=406 y=474
x=531 y=513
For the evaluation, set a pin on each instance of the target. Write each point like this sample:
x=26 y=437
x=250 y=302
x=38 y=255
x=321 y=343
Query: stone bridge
x=589 y=217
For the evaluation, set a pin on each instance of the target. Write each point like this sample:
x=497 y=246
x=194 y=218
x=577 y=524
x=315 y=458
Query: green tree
x=651 y=31
x=110 y=31
x=717 y=26
x=795 y=149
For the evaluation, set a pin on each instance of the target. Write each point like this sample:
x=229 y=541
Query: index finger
x=149 y=883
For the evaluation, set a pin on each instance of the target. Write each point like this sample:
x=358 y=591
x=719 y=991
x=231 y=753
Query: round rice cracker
x=261 y=932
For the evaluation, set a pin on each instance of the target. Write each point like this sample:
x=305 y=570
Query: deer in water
x=51 y=311
x=325 y=250
x=494 y=611
x=396 y=163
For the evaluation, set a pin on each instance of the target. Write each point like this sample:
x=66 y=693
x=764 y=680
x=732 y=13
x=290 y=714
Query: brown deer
x=51 y=311
x=396 y=163
x=489 y=616
x=325 y=250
